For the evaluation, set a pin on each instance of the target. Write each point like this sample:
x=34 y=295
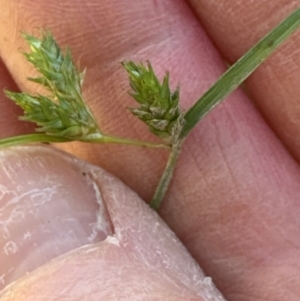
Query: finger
x=9 y=112
x=234 y=28
x=42 y=212
x=235 y=184
x=141 y=260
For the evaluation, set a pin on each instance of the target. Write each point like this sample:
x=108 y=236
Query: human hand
x=233 y=201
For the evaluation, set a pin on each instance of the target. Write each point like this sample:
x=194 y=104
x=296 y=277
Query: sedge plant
x=63 y=116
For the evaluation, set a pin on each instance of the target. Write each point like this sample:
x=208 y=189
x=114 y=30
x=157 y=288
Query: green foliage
x=63 y=112
x=159 y=106
x=63 y=116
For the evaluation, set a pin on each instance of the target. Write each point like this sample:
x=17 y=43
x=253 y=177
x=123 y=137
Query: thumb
x=103 y=241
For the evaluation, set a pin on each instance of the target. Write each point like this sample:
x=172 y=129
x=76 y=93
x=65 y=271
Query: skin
x=234 y=200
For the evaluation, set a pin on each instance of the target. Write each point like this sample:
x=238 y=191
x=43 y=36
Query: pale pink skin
x=234 y=200
x=53 y=203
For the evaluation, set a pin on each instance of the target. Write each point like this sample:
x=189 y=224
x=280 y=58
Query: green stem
x=229 y=81
x=165 y=180
x=118 y=140
x=235 y=75
x=31 y=138
x=44 y=138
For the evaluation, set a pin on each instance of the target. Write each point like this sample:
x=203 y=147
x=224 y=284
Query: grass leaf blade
x=238 y=72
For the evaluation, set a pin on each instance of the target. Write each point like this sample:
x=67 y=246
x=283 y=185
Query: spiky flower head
x=159 y=106
x=63 y=112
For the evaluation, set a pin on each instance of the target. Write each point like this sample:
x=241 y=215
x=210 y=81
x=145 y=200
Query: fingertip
x=48 y=208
